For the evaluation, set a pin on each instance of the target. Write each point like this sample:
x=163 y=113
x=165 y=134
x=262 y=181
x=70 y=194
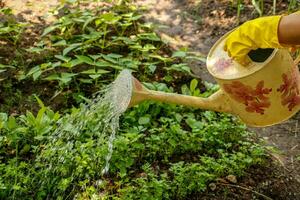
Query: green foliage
x=161 y=151
x=91 y=45
x=293 y=6
x=10 y=29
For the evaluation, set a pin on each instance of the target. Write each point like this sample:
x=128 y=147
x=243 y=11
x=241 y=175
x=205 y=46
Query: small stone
x=231 y=178
x=212 y=186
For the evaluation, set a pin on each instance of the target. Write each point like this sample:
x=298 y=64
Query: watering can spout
x=216 y=102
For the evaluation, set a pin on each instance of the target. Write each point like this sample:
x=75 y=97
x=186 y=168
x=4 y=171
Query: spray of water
x=99 y=119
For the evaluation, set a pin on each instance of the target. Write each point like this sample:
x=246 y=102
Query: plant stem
x=238 y=9
x=274 y=7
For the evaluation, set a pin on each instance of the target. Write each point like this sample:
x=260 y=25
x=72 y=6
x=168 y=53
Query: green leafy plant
x=10 y=29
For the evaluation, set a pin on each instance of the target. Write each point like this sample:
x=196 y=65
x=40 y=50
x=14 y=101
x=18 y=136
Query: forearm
x=289 y=30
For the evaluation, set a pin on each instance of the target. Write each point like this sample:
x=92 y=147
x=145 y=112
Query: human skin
x=289 y=30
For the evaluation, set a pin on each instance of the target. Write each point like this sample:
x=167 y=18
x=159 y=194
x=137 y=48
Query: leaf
x=193 y=85
x=52 y=77
x=179 y=54
x=85 y=80
x=194 y=124
x=199 y=58
x=110 y=18
x=144 y=120
x=95 y=76
x=257 y=7
x=95 y=57
x=107 y=64
x=70 y=48
x=11 y=122
x=114 y=55
x=164 y=59
x=35 y=72
x=93 y=71
x=87 y=22
x=185 y=90
x=60 y=43
x=6 y=66
x=75 y=62
x=182 y=67
x=152 y=68
x=149 y=36
x=49 y=29
x=110 y=59
x=85 y=59
x=63 y=58
x=66 y=77
x=36 y=75
x=41 y=104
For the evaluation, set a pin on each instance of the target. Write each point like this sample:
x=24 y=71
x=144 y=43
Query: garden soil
x=197 y=25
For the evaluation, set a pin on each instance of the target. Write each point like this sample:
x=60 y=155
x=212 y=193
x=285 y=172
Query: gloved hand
x=254 y=34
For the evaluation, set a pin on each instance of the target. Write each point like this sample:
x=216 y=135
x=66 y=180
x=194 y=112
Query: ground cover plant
x=160 y=152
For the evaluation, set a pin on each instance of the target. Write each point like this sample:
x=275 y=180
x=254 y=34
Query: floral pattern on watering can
x=255 y=99
x=290 y=89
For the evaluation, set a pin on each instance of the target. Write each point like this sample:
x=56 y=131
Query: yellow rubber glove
x=254 y=34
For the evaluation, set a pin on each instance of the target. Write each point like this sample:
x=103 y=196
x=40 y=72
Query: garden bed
x=162 y=151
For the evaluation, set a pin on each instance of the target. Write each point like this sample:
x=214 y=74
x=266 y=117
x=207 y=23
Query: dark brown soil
x=260 y=182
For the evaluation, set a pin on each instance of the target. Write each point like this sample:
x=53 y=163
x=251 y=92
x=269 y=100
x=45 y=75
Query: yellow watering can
x=262 y=94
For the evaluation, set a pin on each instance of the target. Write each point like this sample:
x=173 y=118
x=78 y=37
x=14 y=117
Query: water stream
x=97 y=120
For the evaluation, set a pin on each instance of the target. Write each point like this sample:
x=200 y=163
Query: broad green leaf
x=41 y=104
x=66 y=77
x=70 y=48
x=152 y=68
x=45 y=65
x=114 y=55
x=182 y=67
x=193 y=85
x=149 y=36
x=36 y=74
x=144 y=120
x=110 y=59
x=49 y=29
x=185 y=90
x=102 y=64
x=11 y=122
x=107 y=64
x=110 y=18
x=60 y=43
x=95 y=76
x=95 y=57
x=87 y=22
x=52 y=77
x=85 y=59
x=75 y=62
x=179 y=54
x=33 y=70
x=6 y=66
